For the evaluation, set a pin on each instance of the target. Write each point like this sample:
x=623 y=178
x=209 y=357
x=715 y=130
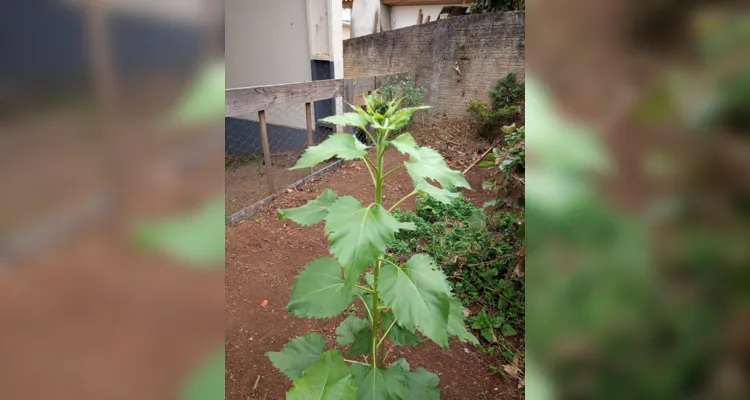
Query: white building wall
x=403 y=16
x=266 y=44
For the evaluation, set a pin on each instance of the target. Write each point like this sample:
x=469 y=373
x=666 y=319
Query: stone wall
x=455 y=60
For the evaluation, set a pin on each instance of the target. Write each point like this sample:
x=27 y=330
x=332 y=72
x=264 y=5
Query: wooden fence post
x=349 y=98
x=266 y=149
x=419 y=17
x=308 y=114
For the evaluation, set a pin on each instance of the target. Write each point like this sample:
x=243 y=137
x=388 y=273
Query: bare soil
x=263 y=257
x=246 y=183
x=93 y=317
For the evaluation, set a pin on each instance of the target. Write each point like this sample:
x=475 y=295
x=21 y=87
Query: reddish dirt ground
x=94 y=318
x=263 y=257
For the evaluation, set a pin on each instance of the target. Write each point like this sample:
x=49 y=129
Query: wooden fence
x=241 y=102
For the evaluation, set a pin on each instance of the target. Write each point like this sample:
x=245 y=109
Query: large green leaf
x=359 y=234
x=329 y=378
x=298 y=354
x=399 y=335
x=341 y=145
x=406 y=144
x=348 y=119
x=207 y=382
x=320 y=291
x=456 y=326
x=421 y=384
x=362 y=343
x=427 y=163
x=348 y=328
x=377 y=384
x=419 y=295
x=357 y=332
x=196 y=238
x=312 y=212
x=441 y=195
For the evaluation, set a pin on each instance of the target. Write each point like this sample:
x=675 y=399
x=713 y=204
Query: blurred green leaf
x=195 y=238
x=203 y=102
x=207 y=382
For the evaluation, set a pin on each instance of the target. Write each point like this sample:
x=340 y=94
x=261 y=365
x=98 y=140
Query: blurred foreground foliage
x=655 y=305
x=195 y=238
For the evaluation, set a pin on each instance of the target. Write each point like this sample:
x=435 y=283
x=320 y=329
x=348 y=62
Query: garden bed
x=263 y=257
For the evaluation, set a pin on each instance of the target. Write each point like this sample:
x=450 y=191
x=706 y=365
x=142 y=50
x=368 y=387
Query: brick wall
x=484 y=47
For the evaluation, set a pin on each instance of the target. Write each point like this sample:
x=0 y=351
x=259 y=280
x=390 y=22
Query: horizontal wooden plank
x=425 y=2
x=247 y=101
x=243 y=101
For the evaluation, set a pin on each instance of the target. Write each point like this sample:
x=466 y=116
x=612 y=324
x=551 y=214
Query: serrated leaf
x=441 y=195
x=197 y=238
x=421 y=384
x=370 y=278
x=359 y=234
x=406 y=144
x=427 y=163
x=341 y=145
x=346 y=330
x=402 y=117
x=298 y=354
x=329 y=378
x=508 y=330
x=399 y=335
x=377 y=384
x=320 y=291
x=419 y=294
x=347 y=119
x=312 y=212
x=456 y=326
x=362 y=343
x=207 y=382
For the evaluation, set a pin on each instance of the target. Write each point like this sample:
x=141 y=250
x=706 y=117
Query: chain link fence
x=246 y=174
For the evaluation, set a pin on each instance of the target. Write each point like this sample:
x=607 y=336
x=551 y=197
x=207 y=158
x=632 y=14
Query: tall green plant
x=398 y=300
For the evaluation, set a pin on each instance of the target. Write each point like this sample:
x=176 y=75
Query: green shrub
x=477 y=255
x=505 y=108
x=508 y=92
x=489 y=121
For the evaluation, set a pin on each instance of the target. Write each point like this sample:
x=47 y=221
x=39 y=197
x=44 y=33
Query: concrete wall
x=403 y=16
x=484 y=47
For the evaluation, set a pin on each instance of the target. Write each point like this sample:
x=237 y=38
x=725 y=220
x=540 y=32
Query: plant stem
x=366 y=289
x=375 y=310
x=375 y=315
x=402 y=200
x=387 y=332
x=393 y=170
x=389 y=262
x=370 y=166
x=356 y=362
x=379 y=176
x=369 y=314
